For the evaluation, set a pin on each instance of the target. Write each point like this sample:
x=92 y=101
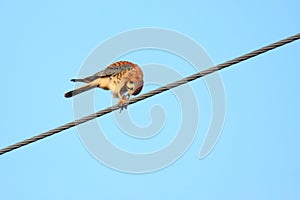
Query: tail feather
x=79 y=80
x=81 y=89
x=86 y=79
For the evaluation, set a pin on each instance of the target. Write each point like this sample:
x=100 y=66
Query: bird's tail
x=79 y=80
x=84 y=88
x=86 y=79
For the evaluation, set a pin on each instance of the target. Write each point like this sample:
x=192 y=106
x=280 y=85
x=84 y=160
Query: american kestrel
x=122 y=78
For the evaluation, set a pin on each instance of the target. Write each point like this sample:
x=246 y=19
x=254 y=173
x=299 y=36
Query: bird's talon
x=123 y=104
x=122 y=108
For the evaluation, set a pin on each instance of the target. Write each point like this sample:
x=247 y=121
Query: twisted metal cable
x=152 y=93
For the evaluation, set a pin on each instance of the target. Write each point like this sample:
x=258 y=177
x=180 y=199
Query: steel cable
x=153 y=92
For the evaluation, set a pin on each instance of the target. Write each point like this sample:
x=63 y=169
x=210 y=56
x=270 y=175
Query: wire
x=152 y=93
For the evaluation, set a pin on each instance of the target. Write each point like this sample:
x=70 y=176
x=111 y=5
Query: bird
x=122 y=78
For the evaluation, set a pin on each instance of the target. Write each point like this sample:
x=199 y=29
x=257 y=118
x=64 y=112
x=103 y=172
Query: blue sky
x=44 y=44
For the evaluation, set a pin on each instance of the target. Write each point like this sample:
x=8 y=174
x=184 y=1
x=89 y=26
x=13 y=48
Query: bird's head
x=134 y=87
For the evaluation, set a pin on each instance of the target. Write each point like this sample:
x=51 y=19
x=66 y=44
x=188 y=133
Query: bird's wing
x=115 y=69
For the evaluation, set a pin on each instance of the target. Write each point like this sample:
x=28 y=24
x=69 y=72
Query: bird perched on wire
x=122 y=78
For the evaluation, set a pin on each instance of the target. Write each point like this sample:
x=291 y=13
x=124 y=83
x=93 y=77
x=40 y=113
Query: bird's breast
x=104 y=83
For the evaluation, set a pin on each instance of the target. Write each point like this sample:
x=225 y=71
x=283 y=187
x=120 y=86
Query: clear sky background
x=43 y=45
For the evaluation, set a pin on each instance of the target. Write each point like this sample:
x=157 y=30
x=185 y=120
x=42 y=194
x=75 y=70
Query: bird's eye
x=129 y=88
x=131 y=82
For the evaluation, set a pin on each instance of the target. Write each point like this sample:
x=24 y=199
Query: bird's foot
x=123 y=103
